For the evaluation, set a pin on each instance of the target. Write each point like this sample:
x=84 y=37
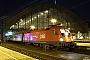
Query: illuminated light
x=26 y=22
x=72 y=39
x=61 y=39
x=19 y=37
x=38 y=15
x=69 y=28
x=87 y=37
x=66 y=33
x=55 y=1
x=41 y=13
x=79 y=35
x=28 y=36
x=19 y=26
x=21 y=20
x=78 y=31
x=9 y=33
x=53 y=21
x=32 y=27
x=32 y=18
x=61 y=24
x=12 y=25
x=46 y=11
x=31 y=38
x=45 y=27
x=35 y=17
x=16 y=23
x=22 y=24
x=14 y=39
x=64 y=30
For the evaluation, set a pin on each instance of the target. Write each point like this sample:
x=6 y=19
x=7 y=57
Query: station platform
x=7 y=54
x=84 y=43
x=82 y=40
x=50 y=53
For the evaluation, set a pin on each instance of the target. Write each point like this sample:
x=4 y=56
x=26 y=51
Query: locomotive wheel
x=51 y=47
x=45 y=47
x=32 y=44
x=41 y=45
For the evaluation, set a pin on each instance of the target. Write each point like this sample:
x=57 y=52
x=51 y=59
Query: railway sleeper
x=46 y=46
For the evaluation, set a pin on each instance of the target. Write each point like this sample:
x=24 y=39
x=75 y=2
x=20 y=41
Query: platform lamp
x=32 y=27
x=53 y=21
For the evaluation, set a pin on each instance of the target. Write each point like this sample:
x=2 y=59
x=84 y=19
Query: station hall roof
x=12 y=19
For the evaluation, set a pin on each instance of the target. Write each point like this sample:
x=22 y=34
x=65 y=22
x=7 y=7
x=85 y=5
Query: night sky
x=80 y=8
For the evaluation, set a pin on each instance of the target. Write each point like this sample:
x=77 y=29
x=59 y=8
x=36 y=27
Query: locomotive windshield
x=65 y=32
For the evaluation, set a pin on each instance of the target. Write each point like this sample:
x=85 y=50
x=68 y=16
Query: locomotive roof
x=51 y=28
x=58 y=27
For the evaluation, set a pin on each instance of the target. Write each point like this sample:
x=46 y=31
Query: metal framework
x=40 y=17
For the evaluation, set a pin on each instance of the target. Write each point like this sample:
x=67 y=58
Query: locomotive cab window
x=54 y=32
x=65 y=32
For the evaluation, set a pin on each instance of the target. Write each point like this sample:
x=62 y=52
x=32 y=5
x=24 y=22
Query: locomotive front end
x=65 y=35
x=65 y=38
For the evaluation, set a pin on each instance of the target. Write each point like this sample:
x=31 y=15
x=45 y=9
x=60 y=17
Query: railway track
x=34 y=52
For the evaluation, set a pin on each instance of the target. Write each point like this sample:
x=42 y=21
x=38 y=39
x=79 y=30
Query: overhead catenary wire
x=33 y=2
x=17 y=10
x=23 y=7
x=40 y=2
x=80 y=4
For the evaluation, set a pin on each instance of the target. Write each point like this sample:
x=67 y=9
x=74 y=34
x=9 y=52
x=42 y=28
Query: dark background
x=80 y=8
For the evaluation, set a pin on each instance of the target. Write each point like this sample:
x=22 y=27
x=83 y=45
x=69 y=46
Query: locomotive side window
x=54 y=32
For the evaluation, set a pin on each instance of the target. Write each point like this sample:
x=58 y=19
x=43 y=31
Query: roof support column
x=31 y=18
x=25 y=22
x=37 y=20
x=18 y=26
x=48 y=18
x=67 y=20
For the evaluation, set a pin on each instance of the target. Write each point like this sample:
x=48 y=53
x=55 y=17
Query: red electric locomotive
x=55 y=36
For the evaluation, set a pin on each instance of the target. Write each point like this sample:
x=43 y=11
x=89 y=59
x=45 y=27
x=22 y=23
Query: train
x=53 y=37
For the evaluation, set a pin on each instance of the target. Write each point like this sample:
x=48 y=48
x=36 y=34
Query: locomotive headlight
x=61 y=39
x=72 y=39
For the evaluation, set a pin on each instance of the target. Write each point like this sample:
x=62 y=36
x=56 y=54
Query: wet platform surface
x=73 y=56
x=52 y=53
x=7 y=54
